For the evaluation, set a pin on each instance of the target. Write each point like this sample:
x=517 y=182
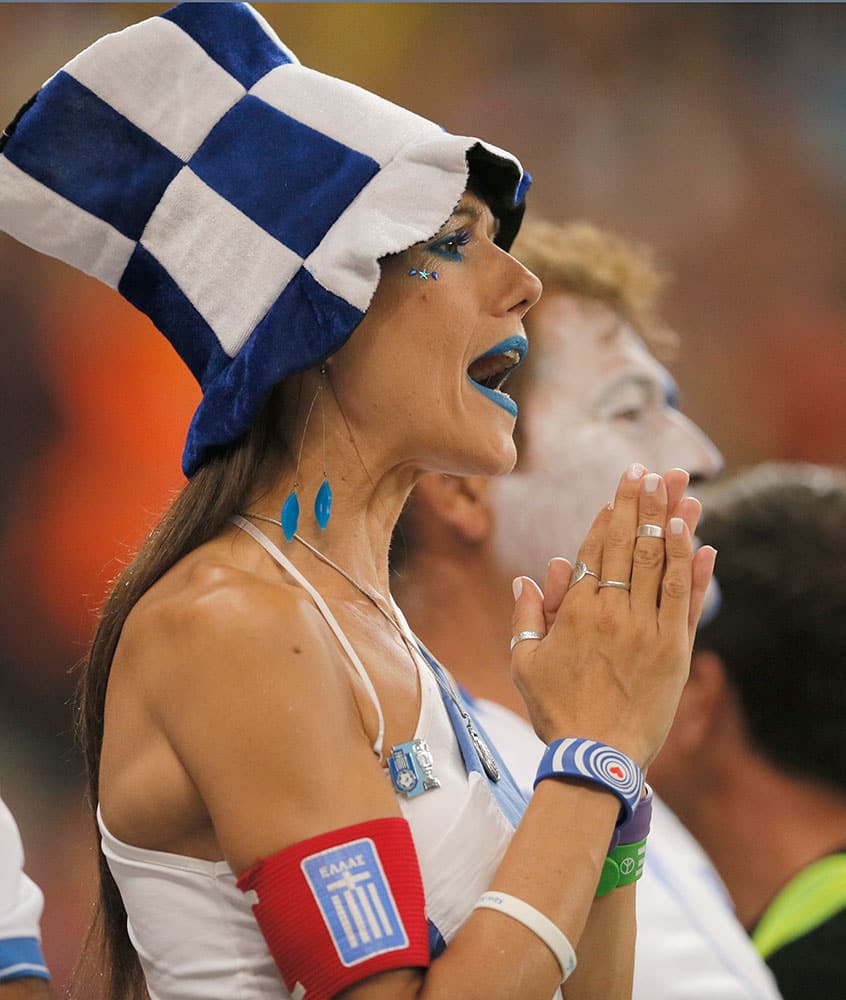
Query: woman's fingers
x=690 y=510
x=620 y=536
x=586 y=573
x=701 y=573
x=648 y=557
x=558 y=576
x=677 y=583
x=528 y=622
x=676 y=481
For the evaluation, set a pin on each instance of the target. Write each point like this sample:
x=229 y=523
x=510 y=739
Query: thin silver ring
x=650 y=531
x=528 y=634
x=580 y=571
x=619 y=584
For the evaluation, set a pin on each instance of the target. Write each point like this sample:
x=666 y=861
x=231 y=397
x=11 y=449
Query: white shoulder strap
x=276 y=553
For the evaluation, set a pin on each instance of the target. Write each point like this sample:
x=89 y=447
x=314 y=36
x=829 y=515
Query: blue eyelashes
x=450 y=246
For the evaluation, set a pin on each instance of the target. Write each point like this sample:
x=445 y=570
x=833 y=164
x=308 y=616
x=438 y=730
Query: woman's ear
x=458 y=504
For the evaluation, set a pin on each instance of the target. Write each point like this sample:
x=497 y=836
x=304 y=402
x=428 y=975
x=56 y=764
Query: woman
x=292 y=799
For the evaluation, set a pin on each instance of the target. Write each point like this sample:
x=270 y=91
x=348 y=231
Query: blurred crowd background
x=714 y=133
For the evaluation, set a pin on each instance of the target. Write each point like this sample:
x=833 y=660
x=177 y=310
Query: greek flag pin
x=410 y=765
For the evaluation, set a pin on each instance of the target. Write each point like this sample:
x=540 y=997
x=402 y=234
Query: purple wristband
x=637 y=828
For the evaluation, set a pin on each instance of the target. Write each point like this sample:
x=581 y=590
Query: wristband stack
x=588 y=760
x=627 y=850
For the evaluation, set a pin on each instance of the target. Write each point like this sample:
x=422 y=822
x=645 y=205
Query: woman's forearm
x=553 y=864
x=606 y=950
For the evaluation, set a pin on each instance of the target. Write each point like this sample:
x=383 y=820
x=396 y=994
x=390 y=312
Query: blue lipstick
x=491 y=369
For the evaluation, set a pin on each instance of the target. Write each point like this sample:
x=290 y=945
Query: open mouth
x=489 y=372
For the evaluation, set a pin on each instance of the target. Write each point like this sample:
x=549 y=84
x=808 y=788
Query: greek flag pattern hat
x=239 y=199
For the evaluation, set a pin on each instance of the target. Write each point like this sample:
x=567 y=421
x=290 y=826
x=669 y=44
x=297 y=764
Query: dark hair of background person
x=780 y=530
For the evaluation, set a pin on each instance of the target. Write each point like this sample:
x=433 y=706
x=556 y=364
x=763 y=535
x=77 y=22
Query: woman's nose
x=527 y=289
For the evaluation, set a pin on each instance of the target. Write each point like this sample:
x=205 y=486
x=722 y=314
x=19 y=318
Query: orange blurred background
x=715 y=133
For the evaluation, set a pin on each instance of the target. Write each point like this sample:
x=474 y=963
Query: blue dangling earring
x=323 y=500
x=290 y=515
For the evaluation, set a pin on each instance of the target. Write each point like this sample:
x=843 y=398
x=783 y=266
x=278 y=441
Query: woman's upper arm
x=258 y=705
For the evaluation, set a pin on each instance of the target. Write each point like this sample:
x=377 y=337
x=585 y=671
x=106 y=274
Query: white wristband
x=552 y=936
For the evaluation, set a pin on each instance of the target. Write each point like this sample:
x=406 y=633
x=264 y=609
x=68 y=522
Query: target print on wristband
x=596 y=762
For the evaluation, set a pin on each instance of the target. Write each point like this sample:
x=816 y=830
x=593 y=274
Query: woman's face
x=421 y=370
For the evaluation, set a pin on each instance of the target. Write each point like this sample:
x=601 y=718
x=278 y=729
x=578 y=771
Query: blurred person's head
x=593 y=394
x=593 y=397
x=769 y=669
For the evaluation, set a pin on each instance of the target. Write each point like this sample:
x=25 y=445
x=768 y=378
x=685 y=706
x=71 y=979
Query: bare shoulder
x=211 y=621
x=216 y=650
x=249 y=687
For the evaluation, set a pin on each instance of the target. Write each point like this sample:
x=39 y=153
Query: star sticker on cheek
x=424 y=274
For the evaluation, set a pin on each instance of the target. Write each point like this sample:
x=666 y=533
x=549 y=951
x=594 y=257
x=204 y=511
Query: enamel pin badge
x=410 y=766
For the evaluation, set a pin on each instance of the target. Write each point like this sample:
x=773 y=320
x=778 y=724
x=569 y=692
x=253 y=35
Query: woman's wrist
x=579 y=759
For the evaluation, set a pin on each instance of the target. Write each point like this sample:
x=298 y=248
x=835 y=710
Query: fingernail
x=676 y=525
x=650 y=484
x=635 y=471
x=517 y=586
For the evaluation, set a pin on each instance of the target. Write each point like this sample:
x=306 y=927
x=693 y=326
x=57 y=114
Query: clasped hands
x=618 y=634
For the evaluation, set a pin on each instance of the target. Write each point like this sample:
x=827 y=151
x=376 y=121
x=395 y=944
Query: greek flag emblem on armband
x=355 y=901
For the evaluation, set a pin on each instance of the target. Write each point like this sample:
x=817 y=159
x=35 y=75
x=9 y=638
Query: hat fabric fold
x=239 y=199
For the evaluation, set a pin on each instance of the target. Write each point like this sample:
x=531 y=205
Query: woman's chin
x=496 y=460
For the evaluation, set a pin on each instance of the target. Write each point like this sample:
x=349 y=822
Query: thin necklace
x=483 y=751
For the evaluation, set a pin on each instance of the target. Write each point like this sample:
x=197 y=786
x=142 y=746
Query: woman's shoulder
x=210 y=609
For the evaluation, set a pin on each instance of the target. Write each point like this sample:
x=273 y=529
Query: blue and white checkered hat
x=239 y=199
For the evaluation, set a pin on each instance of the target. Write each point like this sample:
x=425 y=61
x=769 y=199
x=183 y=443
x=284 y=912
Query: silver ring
x=580 y=571
x=650 y=531
x=528 y=634
x=619 y=584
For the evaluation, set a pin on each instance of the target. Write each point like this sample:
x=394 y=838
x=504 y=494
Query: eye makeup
x=449 y=246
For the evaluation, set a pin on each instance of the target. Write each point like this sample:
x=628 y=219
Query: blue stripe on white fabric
x=240 y=160
x=368 y=123
x=256 y=52
x=183 y=93
x=77 y=145
x=437 y=944
x=38 y=216
x=20 y=957
x=509 y=798
x=228 y=267
x=150 y=288
x=261 y=364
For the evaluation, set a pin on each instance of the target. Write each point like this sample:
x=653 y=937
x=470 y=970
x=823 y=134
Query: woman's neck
x=365 y=508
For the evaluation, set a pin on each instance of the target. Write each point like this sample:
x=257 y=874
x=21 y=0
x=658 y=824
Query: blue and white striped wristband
x=596 y=762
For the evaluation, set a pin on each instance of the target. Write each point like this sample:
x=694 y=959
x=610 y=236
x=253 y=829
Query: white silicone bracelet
x=552 y=936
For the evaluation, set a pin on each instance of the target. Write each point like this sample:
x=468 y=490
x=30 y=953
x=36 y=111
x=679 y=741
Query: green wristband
x=623 y=866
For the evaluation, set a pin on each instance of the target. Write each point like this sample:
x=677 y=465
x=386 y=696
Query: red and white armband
x=342 y=906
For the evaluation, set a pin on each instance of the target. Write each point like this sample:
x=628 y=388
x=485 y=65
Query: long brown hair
x=109 y=965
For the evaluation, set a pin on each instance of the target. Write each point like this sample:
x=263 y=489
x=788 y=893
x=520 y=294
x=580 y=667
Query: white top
x=21 y=903
x=194 y=930
x=689 y=944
